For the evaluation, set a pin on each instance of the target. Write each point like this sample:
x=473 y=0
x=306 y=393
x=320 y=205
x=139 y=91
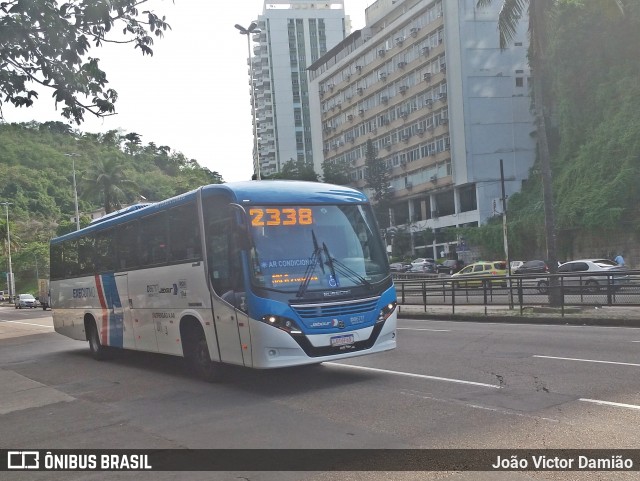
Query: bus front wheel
x=98 y=351
x=199 y=358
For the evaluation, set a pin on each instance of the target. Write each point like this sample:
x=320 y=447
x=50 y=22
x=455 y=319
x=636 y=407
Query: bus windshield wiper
x=308 y=273
x=343 y=269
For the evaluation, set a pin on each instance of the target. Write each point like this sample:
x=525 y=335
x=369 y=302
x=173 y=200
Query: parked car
x=399 y=267
x=515 y=265
x=474 y=274
x=450 y=266
x=532 y=267
x=26 y=300
x=423 y=264
x=588 y=269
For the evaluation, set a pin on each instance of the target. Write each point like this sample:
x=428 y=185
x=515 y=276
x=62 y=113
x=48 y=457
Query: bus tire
x=543 y=287
x=98 y=351
x=196 y=351
x=592 y=286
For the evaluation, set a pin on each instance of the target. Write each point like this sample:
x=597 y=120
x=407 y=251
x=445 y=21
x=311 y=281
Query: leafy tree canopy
x=296 y=170
x=47 y=42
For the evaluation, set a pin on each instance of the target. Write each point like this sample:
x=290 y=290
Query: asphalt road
x=448 y=385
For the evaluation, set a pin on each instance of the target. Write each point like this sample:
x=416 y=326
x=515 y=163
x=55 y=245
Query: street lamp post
x=10 y=281
x=253 y=28
x=75 y=189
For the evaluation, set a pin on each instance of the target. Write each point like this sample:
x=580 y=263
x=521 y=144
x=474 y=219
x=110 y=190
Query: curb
x=516 y=318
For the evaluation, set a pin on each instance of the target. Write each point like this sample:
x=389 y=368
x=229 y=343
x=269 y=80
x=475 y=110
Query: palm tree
x=106 y=181
x=539 y=12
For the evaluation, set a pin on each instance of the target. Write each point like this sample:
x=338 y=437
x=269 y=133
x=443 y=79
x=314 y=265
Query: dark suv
x=450 y=266
x=532 y=267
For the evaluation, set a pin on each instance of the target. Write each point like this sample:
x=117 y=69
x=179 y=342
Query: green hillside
x=36 y=176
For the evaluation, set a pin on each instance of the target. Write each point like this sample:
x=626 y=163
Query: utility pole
x=504 y=218
x=11 y=285
x=505 y=238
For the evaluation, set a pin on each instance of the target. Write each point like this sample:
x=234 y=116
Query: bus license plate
x=342 y=340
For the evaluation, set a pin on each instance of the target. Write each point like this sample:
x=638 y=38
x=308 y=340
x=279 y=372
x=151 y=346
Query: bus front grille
x=313 y=311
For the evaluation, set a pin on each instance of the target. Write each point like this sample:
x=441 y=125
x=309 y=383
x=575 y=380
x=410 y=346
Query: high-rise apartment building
x=427 y=83
x=294 y=34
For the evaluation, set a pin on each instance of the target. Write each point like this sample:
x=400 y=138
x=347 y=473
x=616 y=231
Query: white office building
x=427 y=82
x=294 y=34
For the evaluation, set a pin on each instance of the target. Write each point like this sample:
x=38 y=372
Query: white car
x=592 y=274
x=423 y=264
x=26 y=300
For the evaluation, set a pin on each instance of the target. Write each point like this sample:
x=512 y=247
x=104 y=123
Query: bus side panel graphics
x=112 y=315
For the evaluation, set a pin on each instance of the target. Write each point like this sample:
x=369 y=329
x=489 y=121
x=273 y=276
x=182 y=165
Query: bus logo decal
x=338 y=323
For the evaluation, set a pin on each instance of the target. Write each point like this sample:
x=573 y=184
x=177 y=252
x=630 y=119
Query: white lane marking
x=609 y=403
x=420 y=329
x=635 y=341
x=411 y=374
x=477 y=406
x=588 y=360
x=29 y=324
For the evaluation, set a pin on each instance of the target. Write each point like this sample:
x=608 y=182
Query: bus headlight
x=386 y=311
x=284 y=323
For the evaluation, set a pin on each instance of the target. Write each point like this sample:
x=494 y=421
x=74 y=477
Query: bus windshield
x=305 y=247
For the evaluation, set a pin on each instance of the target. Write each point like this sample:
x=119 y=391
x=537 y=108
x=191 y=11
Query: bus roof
x=290 y=191
x=247 y=192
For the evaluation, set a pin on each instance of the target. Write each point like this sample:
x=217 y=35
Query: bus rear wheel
x=98 y=351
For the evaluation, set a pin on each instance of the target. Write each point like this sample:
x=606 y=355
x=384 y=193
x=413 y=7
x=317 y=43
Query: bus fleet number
x=280 y=216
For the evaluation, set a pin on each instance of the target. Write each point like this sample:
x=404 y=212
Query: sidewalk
x=587 y=315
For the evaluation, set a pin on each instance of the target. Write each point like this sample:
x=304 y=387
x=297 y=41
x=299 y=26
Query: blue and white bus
x=262 y=274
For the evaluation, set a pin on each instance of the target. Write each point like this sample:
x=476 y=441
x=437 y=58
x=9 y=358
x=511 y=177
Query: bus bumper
x=275 y=348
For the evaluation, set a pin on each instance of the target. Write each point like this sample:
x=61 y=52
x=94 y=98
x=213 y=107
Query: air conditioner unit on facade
x=427 y=76
x=382 y=52
x=403 y=89
x=360 y=90
x=350 y=118
x=383 y=76
x=384 y=99
x=400 y=40
x=359 y=68
x=426 y=51
x=402 y=64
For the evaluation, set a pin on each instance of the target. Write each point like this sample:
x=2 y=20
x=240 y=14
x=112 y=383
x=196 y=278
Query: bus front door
x=232 y=328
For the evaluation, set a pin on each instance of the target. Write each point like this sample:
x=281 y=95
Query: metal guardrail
x=582 y=289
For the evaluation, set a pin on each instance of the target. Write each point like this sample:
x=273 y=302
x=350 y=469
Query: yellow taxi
x=474 y=274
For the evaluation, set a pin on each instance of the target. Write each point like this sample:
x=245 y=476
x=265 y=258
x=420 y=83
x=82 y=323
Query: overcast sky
x=193 y=94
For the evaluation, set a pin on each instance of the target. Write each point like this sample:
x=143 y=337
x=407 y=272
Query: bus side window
x=127 y=239
x=153 y=240
x=70 y=253
x=184 y=235
x=223 y=248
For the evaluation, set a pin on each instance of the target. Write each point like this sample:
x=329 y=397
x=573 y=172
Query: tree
x=335 y=173
x=539 y=13
x=296 y=170
x=107 y=179
x=45 y=42
x=377 y=179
